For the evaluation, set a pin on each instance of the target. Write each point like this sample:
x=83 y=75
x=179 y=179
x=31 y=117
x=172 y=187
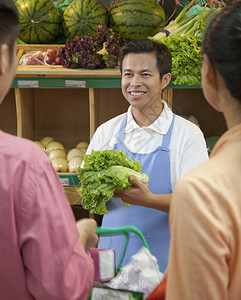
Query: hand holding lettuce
x=102 y=174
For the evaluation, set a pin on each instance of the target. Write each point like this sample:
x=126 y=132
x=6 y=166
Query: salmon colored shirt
x=205 y=223
x=41 y=256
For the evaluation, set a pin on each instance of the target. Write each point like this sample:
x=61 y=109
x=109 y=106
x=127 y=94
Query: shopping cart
x=101 y=291
x=125 y=230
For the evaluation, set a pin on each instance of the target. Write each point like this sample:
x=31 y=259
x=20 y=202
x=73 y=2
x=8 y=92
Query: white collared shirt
x=187 y=146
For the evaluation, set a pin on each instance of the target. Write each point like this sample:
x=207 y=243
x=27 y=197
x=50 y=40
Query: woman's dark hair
x=146 y=45
x=9 y=25
x=222 y=44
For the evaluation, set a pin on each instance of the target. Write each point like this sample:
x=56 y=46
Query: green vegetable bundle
x=191 y=20
x=103 y=173
x=186 y=58
x=183 y=38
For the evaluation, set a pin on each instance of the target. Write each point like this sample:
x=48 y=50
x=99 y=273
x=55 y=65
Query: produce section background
x=63 y=113
x=70 y=115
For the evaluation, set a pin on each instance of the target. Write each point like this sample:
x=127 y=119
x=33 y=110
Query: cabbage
x=103 y=173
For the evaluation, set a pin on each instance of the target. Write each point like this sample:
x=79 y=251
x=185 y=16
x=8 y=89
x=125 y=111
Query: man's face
x=9 y=70
x=141 y=84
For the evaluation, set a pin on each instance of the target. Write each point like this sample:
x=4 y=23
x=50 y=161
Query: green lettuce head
x=102 y=174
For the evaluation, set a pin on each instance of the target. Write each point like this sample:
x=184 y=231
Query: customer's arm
x=87 y=233
x=55 y=261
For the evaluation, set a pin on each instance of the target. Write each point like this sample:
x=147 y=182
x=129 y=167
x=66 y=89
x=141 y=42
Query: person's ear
x=166 y=79
x=208 y=72
x=4 y=59
x=210 y=83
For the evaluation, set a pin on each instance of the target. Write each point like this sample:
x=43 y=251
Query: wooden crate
x=49 y=71
x=72 y=195
x=23 y=49
x=70 y=182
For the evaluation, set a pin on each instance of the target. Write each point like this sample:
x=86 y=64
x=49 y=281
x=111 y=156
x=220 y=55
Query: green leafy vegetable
x=183 y=37
x=83 y=51
x=103 y=173
x=186 y=58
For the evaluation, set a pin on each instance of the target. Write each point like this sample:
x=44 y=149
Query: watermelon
x=134 y=19
x=82 y=17
x=39 y=21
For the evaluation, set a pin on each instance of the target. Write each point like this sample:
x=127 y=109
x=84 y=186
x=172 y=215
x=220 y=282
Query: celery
x=182 y=13
x=198 y=26
x=198 y=19
x=179 y=24
x=186 y=25
x=186 y=20
x=184 y=42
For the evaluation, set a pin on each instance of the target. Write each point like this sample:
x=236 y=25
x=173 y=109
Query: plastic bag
x=49 y=57
x=32 y=58
x=141 y=274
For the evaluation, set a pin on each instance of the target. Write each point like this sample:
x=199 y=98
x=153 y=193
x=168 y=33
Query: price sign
x=75 y=83
x=64 y=181
x=28 y=83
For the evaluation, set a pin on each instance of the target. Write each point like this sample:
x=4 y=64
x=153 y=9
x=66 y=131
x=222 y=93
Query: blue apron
x=152 y=223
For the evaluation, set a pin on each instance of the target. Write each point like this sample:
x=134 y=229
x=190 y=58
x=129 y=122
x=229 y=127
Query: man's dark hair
x=146 y=45
x=9 y=25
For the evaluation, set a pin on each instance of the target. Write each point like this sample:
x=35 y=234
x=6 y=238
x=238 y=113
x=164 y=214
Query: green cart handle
x=125 y=230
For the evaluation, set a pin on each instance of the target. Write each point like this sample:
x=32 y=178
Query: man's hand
x=138 y=194
x=87 y=233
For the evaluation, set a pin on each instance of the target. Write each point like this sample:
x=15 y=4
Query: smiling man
x=166 y=145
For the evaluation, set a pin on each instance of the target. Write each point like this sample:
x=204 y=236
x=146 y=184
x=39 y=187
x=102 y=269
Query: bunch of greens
x=103 y=173
x=183 y=38
x=111 y=49
x=191 y=20
x=85 y=51
x=186 y=58
x=80 y=53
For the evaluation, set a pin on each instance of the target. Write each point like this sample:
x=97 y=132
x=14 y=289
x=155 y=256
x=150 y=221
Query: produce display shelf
x=71 y=183
x=80 y=82
x=67 y=82
x=56 y=76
